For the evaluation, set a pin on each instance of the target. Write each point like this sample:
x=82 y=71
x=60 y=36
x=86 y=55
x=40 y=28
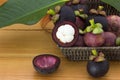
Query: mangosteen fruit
x=98 y=19
x=99 y=16
x=114 y=24
x=65 y=34
x=80 y=23
x=110 y=38
x=93 y=40
x=97 y=66
x=93 y=34
x=95 y=28
x=46 y=63
x=80 y=41
x=80 y=7
x=66 y=14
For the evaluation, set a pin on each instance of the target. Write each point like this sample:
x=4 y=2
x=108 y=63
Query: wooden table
x=19 y=44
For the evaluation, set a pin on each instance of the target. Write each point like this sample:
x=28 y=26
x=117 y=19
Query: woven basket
x=83 y=53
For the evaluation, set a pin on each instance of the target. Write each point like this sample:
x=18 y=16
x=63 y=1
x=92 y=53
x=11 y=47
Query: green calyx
x=100 y=8
x=54 y=13
x=95 y=28
x=118 y=41
x=99 y=11
x=97 y=57
x=80 y=13
x=55 y=18
x=51 y=12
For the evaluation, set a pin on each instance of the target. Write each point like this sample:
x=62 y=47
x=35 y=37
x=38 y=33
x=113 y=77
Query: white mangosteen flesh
x=65 y=33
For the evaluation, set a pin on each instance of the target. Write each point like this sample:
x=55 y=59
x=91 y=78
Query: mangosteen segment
x=46 y=63
x=65 y=34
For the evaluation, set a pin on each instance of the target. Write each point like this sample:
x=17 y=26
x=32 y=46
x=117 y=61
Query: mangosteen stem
x=100 y=8
x=97 y=57
x=51 y=12
x=92 y=23
x=77 y=13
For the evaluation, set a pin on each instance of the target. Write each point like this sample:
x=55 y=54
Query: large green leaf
x=25 y=11
x=113 y=3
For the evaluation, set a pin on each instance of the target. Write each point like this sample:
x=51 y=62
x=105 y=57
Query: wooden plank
x=18 y=48
x=23 y=41
x=22 y=69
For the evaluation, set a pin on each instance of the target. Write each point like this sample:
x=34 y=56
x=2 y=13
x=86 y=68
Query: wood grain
x=18 y=48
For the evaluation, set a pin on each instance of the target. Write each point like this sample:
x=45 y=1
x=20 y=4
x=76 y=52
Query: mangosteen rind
x=47 y=70
x=94 y=40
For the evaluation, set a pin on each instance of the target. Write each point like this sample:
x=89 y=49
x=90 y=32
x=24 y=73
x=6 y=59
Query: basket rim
x=116 y=47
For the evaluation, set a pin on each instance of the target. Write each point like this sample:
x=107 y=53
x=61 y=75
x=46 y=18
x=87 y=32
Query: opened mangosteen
x=65 y=34
x=46 y=63
x=97 y=66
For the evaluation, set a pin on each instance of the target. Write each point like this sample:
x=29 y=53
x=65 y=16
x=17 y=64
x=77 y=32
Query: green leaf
x=113 y=3
x=25 y=11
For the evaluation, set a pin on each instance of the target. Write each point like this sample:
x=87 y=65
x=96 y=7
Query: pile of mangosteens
x=78 y=26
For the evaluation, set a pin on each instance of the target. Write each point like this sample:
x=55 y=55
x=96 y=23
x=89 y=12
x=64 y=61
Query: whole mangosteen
x=97 y=66
x=114 y=24
x=94 y=40
x=66 y=14
x=110 y=38
x=80 y=23
x=99 y=16
x=80 y=41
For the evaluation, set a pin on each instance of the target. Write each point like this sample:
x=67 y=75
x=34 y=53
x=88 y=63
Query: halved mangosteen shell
x=76 y=35
x=47 y=70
